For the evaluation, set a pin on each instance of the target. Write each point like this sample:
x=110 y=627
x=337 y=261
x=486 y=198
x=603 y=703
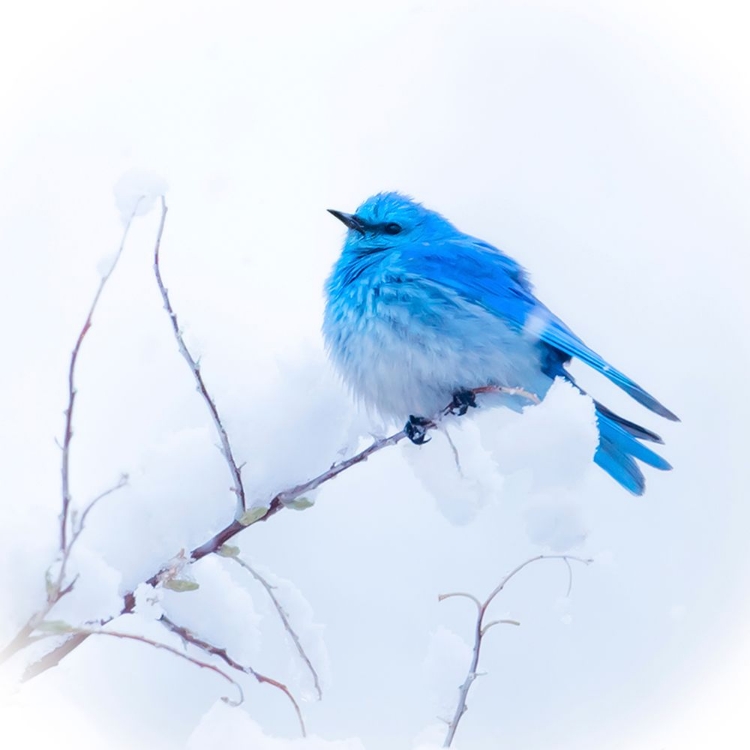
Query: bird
x=419 y=314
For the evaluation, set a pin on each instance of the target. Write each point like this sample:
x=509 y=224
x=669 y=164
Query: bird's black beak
x=350 y=220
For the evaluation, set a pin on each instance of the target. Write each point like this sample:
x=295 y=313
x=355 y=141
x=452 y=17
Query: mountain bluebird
x=419 y=315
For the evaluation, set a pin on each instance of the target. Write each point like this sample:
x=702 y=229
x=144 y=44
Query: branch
x=121 y=482
x=68 y=434
x=279 y=502
x=244 y=517
x=515 y=571
x=226 y=449
x=473 y=598
x=57 y=592
x=56 y=589
x=209 y=648
x=172 y=650
x=480 y=630
x=282 y=615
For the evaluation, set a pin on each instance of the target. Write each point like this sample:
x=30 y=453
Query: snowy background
x=605 y=145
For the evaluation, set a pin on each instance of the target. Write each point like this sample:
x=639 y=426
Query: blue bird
x=419 y=314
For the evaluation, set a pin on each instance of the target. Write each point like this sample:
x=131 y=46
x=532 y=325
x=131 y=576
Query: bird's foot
x=462 y=400
x=416 y=429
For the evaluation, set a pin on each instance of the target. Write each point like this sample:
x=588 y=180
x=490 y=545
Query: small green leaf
x=228 y=550
x=252 y=515
x=301 y=503
x=54 y=626
x=180 y=584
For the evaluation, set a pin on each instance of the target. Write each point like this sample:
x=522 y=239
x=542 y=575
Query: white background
x=604 y=145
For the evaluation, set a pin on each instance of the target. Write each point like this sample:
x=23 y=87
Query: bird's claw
x=462 y=400
x=416 y=429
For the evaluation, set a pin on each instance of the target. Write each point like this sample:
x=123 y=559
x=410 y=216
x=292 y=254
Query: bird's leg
x=462 y=400
x=416 y=429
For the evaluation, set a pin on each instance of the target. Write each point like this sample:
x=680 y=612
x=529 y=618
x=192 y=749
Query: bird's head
x=387 y=220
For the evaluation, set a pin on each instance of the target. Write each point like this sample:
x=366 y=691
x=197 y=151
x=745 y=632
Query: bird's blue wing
x=485 y=276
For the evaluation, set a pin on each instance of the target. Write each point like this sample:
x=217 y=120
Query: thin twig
x=172 y=650
x=480 y=630
x=570 y=578
x=456 y=457
x=508 y=391
x=284 y=620
x=515 y=571
x=68 y=434
x=465 y=595
x=226 y=449
x=221 y=653
x=58 y=590
x=121 y=482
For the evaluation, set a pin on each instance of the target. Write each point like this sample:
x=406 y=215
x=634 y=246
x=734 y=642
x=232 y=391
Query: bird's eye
x=392 y=228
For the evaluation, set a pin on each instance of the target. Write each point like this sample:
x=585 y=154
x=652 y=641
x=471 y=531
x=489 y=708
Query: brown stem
x=226 y=448
x=221 y=653
x=68 y=432
x=480 y=630
x=171 y=650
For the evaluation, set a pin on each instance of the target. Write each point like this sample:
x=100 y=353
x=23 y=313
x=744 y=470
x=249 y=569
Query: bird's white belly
x=401 y=365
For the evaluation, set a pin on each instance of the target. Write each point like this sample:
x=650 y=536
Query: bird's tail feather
x=560 y=337
x=619 y=447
